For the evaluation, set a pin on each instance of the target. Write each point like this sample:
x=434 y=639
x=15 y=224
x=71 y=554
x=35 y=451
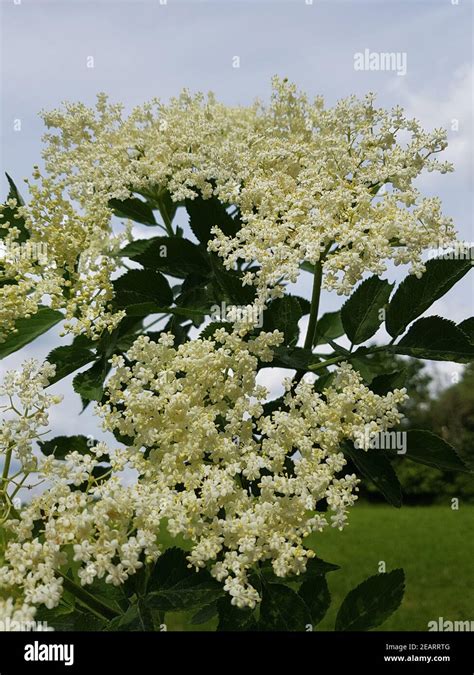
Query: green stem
x=166 y=218
x=313 y=315
x=329 y=362
x=345 y=357
x=6 y=466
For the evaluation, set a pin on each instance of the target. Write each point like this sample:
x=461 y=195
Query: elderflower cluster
x=241 y=485
x=315 y=184
x=26 y=411
x=18 y=613
x=75 y=271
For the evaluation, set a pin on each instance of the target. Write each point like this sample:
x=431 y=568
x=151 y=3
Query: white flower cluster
x=334 y=185
x=241 y=485
x=76 y=266
x=12 y=612
x=26 y=412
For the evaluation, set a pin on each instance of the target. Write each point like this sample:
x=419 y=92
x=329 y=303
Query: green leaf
x=136 y=247
x=205 y=214
x=68 y=359
x=175 y=256
x=360 y=314
x=60 y=446
x=314 y=567
x=382 y=384
x=427 y=448
x=141 y=291
x=271 y=406
x=14 y=193
x=205 y=614
x=232 y=618
x=436 y=339
x=467 y=327
x=376 y=467
x=8 y=214
x=133 y=208
x=329 y=326
x=304 y=304
x=137 y=618
x=366 y=368
x=283 y=314
x=325 y=380
x=167 y=207
x=68 y=619
x=282 y=609
x=317 y=566
x=173 y=586
x=29 y=329
x=228 y=284
x=414 y=296
x=293 y=357
x=372 y=602
x=210 y=329
x=315 y=593
x=90 y=383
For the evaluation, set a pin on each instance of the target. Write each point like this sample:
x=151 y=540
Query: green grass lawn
x=434 y=545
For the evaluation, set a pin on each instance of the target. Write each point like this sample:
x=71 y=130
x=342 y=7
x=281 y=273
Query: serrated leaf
x=427 y=448
x=136 y=247
x=436 y=339
x=173 y=586
x=228 y=284
x=140 y=291
x=283 y=314
x=14 y=192
x=329 y=326
x=60 y=446
x=8 y=214
x=293 y=357
x=414 y=295
x=68 y=359
x=317 y=566
x=232 y=618
x=204 y=214
x=90 y=383
x=377 y=468
x=210 y=329
x=175 y=256
x=133 y=208
x=304 y=304
x=29 y=329
x=372 y=602
x=315 y=593
x=360 y=314
x=467 y=327
x=282 y=609
x=382 y=384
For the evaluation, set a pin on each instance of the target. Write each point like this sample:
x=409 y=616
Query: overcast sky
x=146 y=48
